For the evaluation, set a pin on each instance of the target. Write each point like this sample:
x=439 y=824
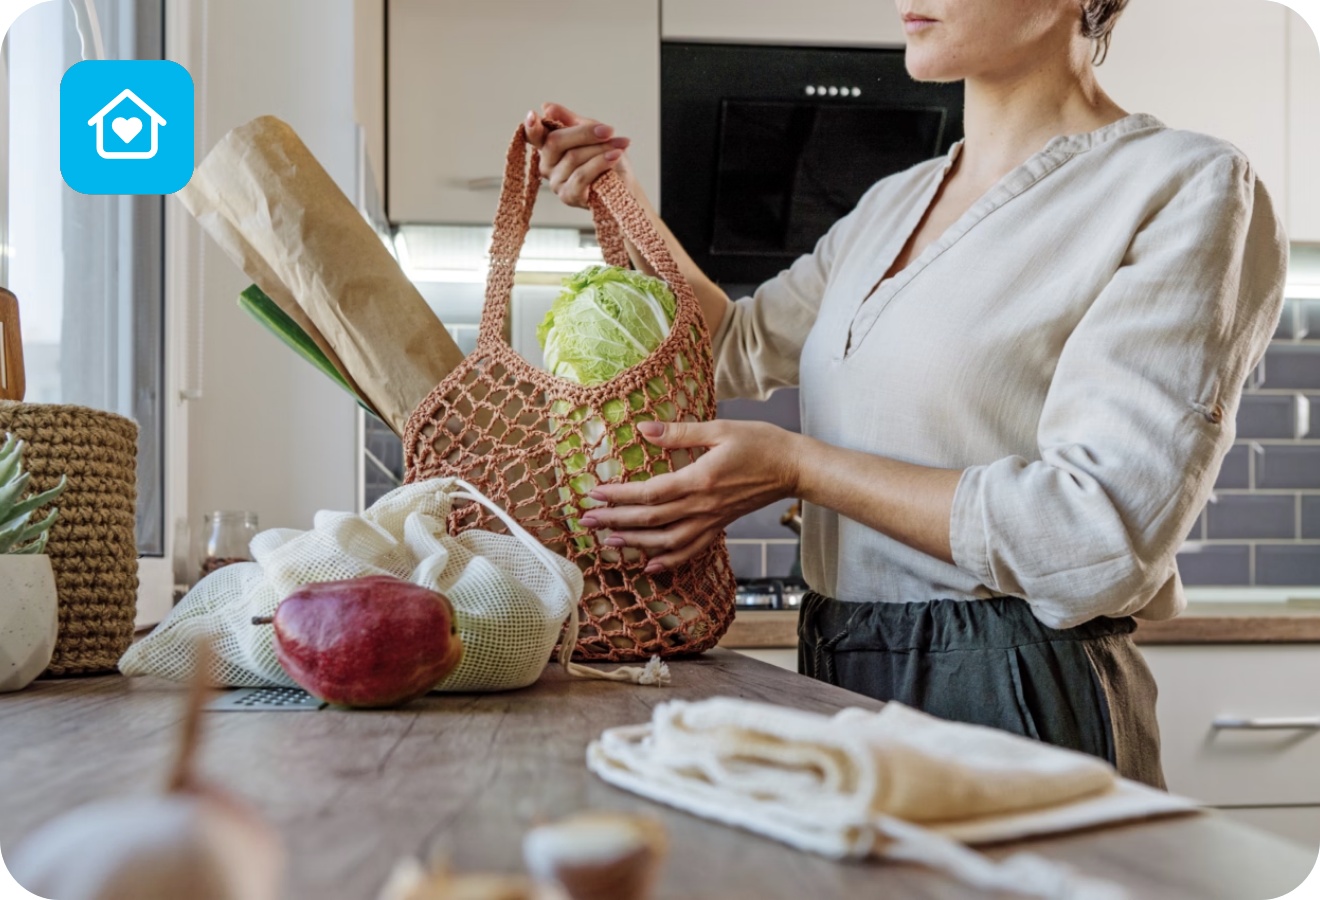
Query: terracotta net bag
x=537 y=444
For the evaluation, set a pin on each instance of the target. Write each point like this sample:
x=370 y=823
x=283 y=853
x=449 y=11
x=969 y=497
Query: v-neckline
x=1055 y=153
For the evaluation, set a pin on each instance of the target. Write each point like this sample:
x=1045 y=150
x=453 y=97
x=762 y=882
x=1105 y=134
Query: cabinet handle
x=1288 y=723
x=492 y=183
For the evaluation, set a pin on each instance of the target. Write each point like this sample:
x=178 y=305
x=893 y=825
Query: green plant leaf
x=39 y=500
x=256 y=303
x=10 y=491
x=11 y=458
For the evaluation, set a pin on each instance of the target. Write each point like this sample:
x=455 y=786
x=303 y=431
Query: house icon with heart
x=126 y=128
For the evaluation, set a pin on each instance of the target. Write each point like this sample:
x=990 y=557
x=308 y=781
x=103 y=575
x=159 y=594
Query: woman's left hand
x=673 y=517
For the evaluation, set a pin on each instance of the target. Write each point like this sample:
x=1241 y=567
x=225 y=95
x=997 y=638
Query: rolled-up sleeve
x=1140 y=411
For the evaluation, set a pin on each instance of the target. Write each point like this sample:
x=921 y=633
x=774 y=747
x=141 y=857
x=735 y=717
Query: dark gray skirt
x=991 y=662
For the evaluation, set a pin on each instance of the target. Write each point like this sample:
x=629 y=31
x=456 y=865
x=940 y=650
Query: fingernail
x=603 y=131
x=613 y=155
x=589 y=522
x=651 y=429
x=598 y=495
x=652 y=568
x=614 y=542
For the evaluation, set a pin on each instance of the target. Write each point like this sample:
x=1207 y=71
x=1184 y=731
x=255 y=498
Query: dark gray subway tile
x=1312 y=428
x=1288 y=564
x=1309 y=314
x=779 y=559
x=1259 y=516
x=746 y=560
x=1310 y=516
x=1267 y=416
x=1292 y=366
x=1216 y=564
x=1284 y=331
x=1197 y=532
x=761 y=525
x=1235 y=472
x=1288 y=466
x=781 y=409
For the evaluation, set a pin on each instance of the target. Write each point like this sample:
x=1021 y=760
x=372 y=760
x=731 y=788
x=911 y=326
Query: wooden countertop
x=1202 y=623
x=354 y=791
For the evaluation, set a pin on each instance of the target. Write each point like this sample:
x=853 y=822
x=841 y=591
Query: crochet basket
x=93 y=544
x=538 y=444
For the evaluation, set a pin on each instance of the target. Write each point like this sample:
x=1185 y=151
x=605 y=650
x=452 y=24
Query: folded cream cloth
x=896 y=783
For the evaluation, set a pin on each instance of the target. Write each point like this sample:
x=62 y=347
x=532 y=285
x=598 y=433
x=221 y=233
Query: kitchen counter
x=1202 y=623
x=354 y=791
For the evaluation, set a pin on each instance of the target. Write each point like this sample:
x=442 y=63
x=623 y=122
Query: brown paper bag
x=282 y=219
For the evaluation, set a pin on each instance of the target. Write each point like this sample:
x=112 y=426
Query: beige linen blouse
x=1077 y=343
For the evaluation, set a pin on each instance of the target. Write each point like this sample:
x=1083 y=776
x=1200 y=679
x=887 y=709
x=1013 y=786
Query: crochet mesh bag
x=535 y=443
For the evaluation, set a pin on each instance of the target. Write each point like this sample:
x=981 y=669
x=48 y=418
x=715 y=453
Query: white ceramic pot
x=29 y=619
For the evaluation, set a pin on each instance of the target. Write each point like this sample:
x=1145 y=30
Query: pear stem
x=263 y=620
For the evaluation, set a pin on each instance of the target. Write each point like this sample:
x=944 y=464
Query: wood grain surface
x=352 y=792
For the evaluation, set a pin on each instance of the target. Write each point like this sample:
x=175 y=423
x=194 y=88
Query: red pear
x=367 y=642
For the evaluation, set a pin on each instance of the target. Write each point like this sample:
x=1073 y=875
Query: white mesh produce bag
x=511 y=596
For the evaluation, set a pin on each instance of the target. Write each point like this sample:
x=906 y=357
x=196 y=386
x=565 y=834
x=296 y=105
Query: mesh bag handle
x=615 y=212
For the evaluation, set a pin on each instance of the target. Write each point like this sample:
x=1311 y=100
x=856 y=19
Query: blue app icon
x=126 y=127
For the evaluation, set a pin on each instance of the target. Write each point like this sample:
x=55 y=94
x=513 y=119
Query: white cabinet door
x=1234 y=766
x=462 y=75
x=1214 y=66
x=1299 y=824
x=850 y=23
x=1303 y=131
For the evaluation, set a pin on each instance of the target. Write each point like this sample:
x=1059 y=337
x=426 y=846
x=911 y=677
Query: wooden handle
x=13 y=384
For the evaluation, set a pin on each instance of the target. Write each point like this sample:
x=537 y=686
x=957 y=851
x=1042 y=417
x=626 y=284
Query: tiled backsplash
x=1262 y=527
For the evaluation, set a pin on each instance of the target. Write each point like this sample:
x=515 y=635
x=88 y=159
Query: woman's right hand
x=574 y=156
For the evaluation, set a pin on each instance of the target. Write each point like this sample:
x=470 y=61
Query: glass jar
x=228 y=535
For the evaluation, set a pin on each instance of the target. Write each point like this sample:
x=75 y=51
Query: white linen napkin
x=896 y=783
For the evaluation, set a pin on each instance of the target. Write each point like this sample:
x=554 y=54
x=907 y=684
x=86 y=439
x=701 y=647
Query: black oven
x=763 y=148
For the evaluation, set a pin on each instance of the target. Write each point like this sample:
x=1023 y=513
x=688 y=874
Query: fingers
x=557 y=144
x=562 y=114
x=535 y=130
x=652 y=492
x=628 y=517
x=673 y=558
x=679 y=435
x=571 y=180
x=656 y=542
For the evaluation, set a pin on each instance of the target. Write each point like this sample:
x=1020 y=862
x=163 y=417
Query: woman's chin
x=930 y=67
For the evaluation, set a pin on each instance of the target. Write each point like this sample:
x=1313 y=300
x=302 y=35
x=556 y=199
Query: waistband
x=939 y=625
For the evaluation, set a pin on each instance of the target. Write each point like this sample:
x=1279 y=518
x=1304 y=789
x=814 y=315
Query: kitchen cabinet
x=462 y=75
x=1303 y=131
x=1251 y=770
x=1215 y=66
x=852 y=23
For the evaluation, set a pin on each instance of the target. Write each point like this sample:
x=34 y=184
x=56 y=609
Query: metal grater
x=269 y=699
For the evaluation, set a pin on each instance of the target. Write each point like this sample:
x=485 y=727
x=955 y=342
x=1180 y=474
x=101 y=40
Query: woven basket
x=93 y=544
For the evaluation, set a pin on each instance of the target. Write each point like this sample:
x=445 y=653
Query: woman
x=1019 y=367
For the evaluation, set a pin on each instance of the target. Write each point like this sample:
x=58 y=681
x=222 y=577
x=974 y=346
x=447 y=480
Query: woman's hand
x=574 y=156
x=673 y=517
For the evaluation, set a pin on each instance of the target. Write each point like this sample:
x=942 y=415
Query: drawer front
x=1299 y=824
x=1240 y=685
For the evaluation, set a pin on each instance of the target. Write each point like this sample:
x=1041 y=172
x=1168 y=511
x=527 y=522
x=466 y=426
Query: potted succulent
x=29 y=611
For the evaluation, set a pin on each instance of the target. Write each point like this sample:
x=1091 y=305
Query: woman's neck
x=1009 y=118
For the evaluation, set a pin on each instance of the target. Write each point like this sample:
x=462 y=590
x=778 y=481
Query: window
x=88 y=271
